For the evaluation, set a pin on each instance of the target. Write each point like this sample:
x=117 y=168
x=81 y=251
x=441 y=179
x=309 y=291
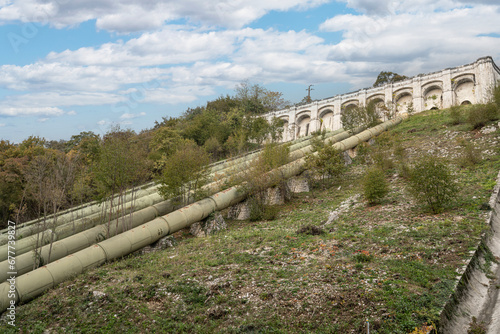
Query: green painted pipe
x=32 y=284
x=95 y=214
x=25 y=258
x=84 y=210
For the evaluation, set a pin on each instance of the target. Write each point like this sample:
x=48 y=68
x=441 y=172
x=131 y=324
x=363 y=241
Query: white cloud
x=412 y=43
x=127 y=16
x=180 y=64
x=65 y=77
x=132 y=116
x=2 y=125
x=391 y=7
x=167 y=46
x=31 y=111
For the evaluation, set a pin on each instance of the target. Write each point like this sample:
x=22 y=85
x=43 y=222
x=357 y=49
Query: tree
x=258 y=178
x=375 y=186
x=184 y=174
x=432 y=183
x=255 y=99
x=388 y=77
x=121 y=164
x=356 y=116
x=11 y=183
x=327 y=162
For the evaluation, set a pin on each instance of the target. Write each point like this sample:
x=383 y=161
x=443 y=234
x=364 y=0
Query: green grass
x=391 y=263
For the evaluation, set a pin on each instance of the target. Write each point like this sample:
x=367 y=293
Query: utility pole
x=309 y=89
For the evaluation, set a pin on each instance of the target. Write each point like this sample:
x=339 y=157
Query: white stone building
x=467 y=84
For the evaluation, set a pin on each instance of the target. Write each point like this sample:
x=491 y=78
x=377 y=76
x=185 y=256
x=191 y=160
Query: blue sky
x=84 y=65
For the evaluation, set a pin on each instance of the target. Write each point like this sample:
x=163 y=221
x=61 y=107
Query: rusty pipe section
x=32 y=284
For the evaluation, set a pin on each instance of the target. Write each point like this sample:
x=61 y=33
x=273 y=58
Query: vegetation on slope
x=40 y=177
x=393 y=263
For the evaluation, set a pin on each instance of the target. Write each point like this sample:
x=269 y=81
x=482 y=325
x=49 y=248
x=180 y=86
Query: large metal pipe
x=33 y=226
x=25 y=260
x=144 y=198
x=34 y=283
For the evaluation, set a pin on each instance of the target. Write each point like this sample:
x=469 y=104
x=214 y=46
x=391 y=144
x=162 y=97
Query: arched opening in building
x=403 y=101
x=349 y=106
x=326 y=120
x=303 y=125
x=433 y=97
x=466 y=102
x=463 y=88
x=379 y=105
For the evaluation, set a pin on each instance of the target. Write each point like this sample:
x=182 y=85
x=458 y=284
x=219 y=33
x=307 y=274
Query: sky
x=68 y=66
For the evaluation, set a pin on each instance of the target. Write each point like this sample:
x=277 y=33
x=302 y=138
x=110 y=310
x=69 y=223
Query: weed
x=310 y=230
x=476 y=327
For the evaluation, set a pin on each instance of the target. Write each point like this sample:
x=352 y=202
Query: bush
x=432 y=184
x=311 y=230
x=184 y=174
x=327 y=162
x=260 y=211
x=470 y=155
x=258 y=180
x=359 y=116
x=375 y=186
x=456 y=115
x=363 y=152
x=480 y=114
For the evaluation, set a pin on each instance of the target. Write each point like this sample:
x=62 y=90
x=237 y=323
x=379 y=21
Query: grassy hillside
x=393 y=263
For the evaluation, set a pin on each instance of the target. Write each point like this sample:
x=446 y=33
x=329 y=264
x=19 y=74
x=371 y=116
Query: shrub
x=470 y=155
x=184 y=174
x=359 y=116
x=480 y=114
x=363 y=152
x=432 y=184
x=476 y=327
x=362 y=256
x=258 y=179
x=375 y=186
x=410 y=109
x=456 y=115
x=327 y=162
x=311 y=230
x=260 y=211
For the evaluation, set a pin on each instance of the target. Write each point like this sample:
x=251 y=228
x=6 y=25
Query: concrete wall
x=476 y=293
x=467 y=84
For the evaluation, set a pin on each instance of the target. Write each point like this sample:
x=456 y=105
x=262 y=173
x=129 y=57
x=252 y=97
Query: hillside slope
x=391 y=264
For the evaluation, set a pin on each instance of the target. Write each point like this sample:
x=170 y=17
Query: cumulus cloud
x=167 y=46
x=414 y=42
x=132 y=116
x=391 y=7
x=181 y=63
x=31 y=111
x=63 y=77
x=128 y=16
